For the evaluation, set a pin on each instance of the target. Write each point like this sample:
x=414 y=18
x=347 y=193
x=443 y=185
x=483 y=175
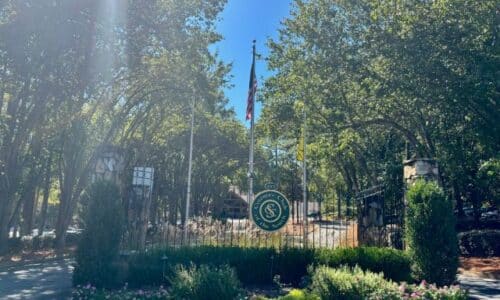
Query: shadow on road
x=37 y=280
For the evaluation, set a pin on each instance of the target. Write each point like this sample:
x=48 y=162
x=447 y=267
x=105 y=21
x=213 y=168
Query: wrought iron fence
x=366 y=220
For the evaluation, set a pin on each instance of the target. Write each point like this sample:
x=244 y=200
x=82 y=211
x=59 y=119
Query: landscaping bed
x=221 y=283
x=259 y=266
x=480 y=267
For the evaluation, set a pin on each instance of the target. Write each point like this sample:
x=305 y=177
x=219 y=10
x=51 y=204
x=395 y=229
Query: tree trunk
x=46 y=193
x=29 y=199
x=459 y=204
x=4 y=230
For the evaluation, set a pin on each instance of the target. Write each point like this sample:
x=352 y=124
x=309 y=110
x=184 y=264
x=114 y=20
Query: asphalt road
x=480 y=288
x=37 y=280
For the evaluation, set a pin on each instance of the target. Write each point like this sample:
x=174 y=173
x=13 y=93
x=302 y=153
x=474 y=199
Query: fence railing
x=324 y=233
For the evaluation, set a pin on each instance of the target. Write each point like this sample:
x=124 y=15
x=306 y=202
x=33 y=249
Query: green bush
x=480 y=243
x=257 y=266
x=430 y=234
x=395 y=264
x=299 y=295
x=204 y=283
x=344 y=283
x=99 y=244
x=347 y=283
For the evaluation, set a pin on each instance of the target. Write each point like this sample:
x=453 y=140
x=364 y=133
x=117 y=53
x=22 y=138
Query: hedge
x=257 y=266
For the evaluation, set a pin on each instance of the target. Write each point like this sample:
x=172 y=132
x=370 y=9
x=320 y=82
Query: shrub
x=479 y=243
x=299 y=295
x=395 y=264
x=204 y=282
x=147 y=269
x=256 y=266
x=98 y=247
x=346 y=283
x=430 y=233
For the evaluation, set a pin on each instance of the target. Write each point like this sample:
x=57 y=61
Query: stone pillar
x=420 y=168
x=371 y=217
x=109 y=165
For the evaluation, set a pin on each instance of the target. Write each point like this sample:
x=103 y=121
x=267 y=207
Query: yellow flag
x=300 y=148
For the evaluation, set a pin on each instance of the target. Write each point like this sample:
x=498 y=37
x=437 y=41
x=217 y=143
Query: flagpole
x=252 y=141
x=190 y=167
x=304 y=182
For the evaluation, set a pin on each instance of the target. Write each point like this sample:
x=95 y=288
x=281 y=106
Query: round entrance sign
x=270 y=210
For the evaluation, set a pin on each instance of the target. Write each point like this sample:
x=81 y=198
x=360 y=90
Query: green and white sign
x=270 y=210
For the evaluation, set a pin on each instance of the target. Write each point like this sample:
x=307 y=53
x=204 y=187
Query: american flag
x=252 y=89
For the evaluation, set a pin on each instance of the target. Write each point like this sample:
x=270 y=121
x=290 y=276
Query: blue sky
x=241 y=22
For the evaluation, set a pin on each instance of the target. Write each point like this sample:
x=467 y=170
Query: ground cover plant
x=88 y=291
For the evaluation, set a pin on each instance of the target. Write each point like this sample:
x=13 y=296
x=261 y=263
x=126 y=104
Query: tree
x=376 y=75
x=76 y=79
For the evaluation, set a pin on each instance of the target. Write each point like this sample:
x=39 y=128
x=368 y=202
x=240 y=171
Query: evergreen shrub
x=430 y=234
x=204 y=283
x=344 y=283
x=480 y=243
x=98 y=246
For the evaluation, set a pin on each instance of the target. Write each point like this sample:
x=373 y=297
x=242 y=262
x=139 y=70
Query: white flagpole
x=252 y=141
x=304 y=183
x=190 y=166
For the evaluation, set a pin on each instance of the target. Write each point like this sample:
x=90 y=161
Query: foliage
x=346 y=283
x=290 y=264
x=296 y=294
x=377 y=78
x=343 y=283
x=430 y=233
x=393 y=263
x=78 y=79
x=204 y=282
x=489 y=180
x=98 y=247
x=89 y=292
x=479 y=243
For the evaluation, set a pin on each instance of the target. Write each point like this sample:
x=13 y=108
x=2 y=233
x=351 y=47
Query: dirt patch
x=480 y=267
x=31 y=256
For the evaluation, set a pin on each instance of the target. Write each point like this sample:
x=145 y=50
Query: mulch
x=480 y=267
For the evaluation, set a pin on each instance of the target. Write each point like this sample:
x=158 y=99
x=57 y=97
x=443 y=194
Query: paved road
x=37 y=280
x=481 y=288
